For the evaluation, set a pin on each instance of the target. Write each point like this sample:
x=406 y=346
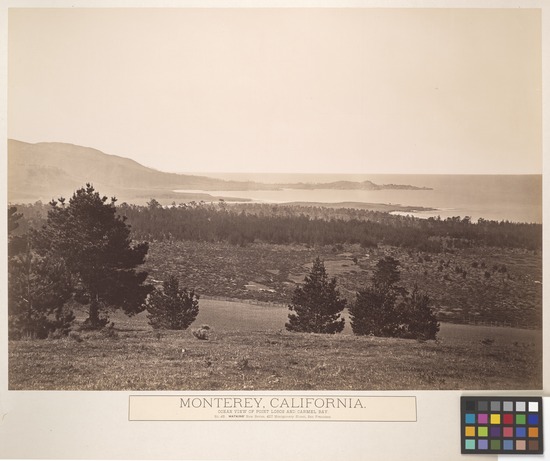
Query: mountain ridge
x=46 y=170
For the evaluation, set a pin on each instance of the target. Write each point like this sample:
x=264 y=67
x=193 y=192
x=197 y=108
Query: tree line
x=242 y=224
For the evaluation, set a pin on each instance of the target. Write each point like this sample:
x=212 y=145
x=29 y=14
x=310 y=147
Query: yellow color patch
x=495 y=419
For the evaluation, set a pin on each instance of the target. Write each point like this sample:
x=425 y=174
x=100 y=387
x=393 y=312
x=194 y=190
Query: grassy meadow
x=249 y=349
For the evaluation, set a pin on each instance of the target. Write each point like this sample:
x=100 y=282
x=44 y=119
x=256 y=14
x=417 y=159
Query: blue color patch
x=521 y=432
x=483 y=444
x=533 y=418
x=508 y=444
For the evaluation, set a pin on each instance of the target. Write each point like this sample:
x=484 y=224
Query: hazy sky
x=283 y=90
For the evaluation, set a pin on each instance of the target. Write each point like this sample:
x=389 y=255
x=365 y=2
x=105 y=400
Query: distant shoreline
x=384 y=207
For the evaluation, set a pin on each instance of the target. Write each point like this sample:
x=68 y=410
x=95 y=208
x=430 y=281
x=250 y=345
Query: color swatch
x=501 y=425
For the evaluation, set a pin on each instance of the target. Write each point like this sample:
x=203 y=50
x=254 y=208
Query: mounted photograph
x=293 y=199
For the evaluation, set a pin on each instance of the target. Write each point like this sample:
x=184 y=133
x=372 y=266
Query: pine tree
x=420 y=321
x=95 y=245
x=374 y=311
x=316 y=306
x=386 y=309
x=172 y=308
x=38 y=288
x=387 y=274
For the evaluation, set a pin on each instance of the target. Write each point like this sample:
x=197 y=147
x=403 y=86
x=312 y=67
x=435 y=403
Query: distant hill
x=353 y=185
x=43 y=171
x=49 y=170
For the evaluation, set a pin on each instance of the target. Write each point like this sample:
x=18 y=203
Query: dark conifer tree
x=316 y=306
x=386 y=309
x=374 y=311
x=95 y=245
x=172 y=308
x=38 y=288
x=420 y=321
x=386 y=274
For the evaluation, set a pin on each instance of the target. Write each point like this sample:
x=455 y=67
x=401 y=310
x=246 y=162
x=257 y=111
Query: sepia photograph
x=274 y=199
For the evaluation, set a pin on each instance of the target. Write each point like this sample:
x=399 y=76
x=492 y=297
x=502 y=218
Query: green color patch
x=495 y=444
x=520 y=419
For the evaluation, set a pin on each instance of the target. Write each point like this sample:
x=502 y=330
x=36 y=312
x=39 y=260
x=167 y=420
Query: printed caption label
x=271 y=408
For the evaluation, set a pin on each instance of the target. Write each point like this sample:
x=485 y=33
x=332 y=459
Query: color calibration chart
x=501 y=425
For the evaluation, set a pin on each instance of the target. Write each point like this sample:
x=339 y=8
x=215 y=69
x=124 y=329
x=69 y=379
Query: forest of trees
x=246 y=223
x=285 y=225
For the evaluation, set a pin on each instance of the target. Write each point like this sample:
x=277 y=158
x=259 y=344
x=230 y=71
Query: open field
x=257 y=354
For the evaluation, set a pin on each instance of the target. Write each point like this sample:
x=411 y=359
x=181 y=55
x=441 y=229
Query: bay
x=516 y=198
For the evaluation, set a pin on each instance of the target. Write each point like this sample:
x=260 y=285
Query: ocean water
x=515 y=198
